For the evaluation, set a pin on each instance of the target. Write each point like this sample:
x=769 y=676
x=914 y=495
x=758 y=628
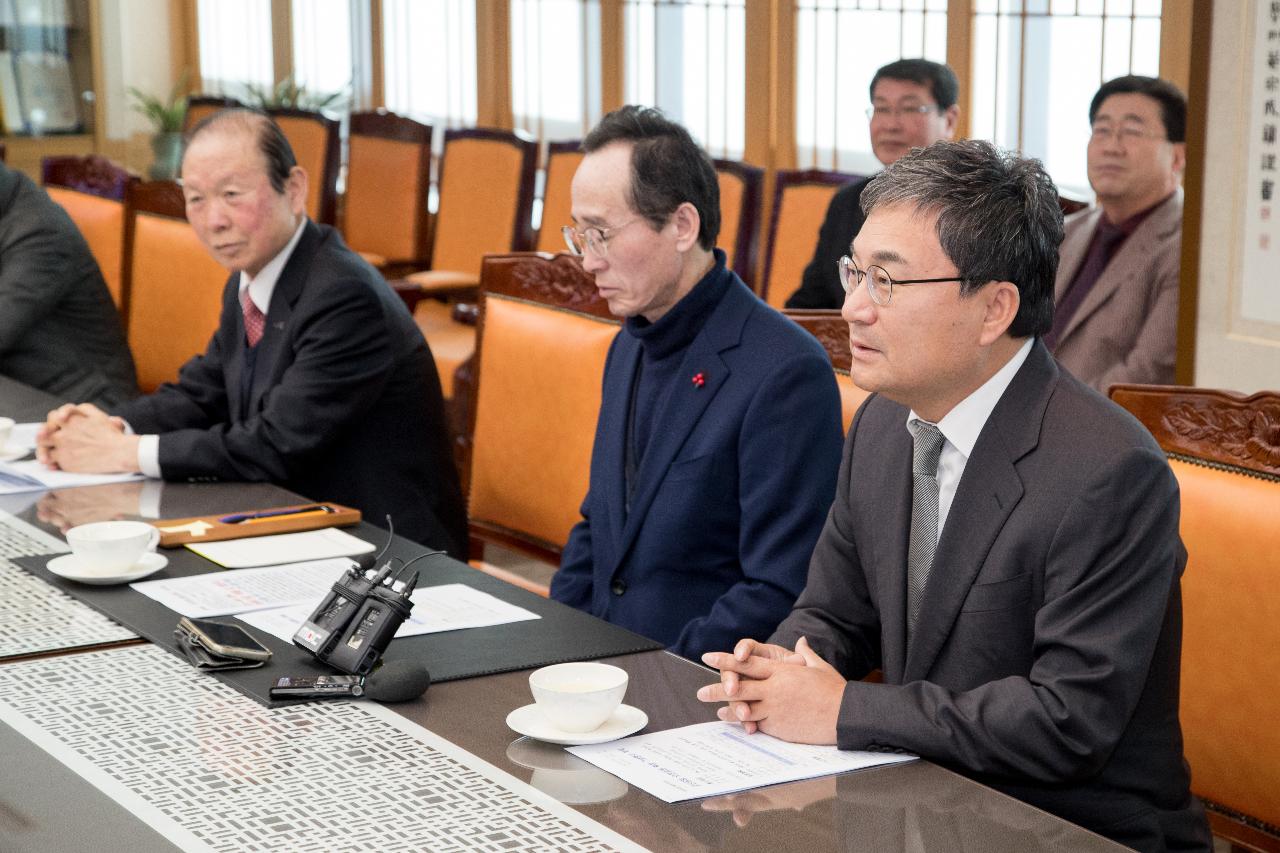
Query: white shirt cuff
x=149 y=456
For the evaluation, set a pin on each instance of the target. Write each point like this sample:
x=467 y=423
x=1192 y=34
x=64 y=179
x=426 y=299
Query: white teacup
x=578 y=697
x=112 y=546
x=6 y=427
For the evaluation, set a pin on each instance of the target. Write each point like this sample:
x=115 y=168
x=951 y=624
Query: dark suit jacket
x=59 y=329
x=345 y=406
x=1046 y=656
x=1126 y=329
x=820 y=284
x=731 y=491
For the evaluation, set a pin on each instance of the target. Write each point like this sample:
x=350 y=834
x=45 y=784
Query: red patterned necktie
x=254 y=319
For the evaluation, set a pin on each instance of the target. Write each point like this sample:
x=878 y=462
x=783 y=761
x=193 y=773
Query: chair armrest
x=408 y=291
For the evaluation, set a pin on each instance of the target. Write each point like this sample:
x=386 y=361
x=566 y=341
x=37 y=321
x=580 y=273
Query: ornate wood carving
x=831 y=331
x=93 y=175
x=1216 y=426
x=557 y=280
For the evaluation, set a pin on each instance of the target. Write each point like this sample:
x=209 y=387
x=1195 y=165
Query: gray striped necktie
x=927 y=440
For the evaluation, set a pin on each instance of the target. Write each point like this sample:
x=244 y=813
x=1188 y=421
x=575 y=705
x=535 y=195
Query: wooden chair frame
x=783 y=179
x=522 y=230
x=213 y=102
x=1230 y=432
x=747 y=240
x=555 y=281
x=831 y=331
x=383 y=124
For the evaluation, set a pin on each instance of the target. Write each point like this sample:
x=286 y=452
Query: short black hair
x=667 y=168
x=272 y=143
x=940 y=79
x=998 y=218
x=1173 y=104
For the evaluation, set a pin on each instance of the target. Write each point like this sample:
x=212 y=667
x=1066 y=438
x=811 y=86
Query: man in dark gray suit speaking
x=59 y=330
x=1003 y=544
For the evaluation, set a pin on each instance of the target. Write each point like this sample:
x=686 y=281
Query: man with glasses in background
x=718 y=438
x=1003 y=545
x=1117 y=285
x=913 y=104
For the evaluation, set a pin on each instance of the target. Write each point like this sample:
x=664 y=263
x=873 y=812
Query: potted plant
x=166 y=117
x=289 y=93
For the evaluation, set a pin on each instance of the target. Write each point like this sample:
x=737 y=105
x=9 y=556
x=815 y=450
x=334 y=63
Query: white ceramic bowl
x=578 y=697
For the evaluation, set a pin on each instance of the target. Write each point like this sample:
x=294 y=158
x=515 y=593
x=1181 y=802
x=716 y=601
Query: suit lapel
x=891 y=490
x=283 y=300
x=613 y=432
x=685 y=403
x=231 y=338
x=1071 y=254
x=988 y=491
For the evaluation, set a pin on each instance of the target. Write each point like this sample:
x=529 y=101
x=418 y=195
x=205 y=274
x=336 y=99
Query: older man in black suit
x=59 y=330
x=317 y=378
x=1003 y=544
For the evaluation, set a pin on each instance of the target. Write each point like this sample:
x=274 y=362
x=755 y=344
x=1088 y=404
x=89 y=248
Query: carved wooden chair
x=174 y=286
x=562 y=161
x=92 y=190
x=200 y=107
x=544 y=333
x=740 y=196
x=1225 y=451
x=314 y=139
x=833 y=333
x=385 y=216
x=800 y=200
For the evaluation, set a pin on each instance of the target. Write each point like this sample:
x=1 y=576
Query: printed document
x=709 y=759
x=279 y=548
x=33 y=476
x=448 y=607
x=225 y=593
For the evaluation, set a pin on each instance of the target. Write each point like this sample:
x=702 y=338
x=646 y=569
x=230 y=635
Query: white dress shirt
x=962 y=425
x=260 y=288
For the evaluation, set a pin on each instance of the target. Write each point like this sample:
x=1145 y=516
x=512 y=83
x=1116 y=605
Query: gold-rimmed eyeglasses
x=592 y=237
x=877 y=280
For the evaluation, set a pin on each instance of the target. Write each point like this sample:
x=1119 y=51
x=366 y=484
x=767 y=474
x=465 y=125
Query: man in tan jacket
x=1116 y=293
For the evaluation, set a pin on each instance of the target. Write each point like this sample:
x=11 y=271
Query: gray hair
x=998 y=218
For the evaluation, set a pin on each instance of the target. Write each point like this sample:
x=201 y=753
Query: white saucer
x=69 y=567
x=10 y=453
x=531 y=722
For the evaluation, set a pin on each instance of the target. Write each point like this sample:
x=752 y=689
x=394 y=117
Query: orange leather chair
x=833 y=333
x=174 y=286
x=485 y=205
x=562 y=161
x=314 y=139
x=544 y=333
x=92 y=191
x=200 y=107
x=385 y=214
x=740 y=188
x=800 y=199
x=1225 y=451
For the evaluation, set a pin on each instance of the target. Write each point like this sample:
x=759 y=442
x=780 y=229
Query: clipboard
x=254 y=522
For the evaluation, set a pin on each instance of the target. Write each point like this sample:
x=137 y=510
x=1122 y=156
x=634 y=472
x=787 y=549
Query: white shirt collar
x=263 y=284
x=962 y=425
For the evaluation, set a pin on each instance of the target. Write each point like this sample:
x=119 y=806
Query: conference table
x=122 y=746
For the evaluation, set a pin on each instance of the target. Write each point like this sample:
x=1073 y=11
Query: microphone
x=397 y=681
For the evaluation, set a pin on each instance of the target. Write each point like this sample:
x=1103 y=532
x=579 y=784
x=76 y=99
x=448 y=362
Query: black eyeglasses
x=877 y=280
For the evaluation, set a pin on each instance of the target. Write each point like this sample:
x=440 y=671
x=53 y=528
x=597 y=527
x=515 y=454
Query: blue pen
x=275 y=513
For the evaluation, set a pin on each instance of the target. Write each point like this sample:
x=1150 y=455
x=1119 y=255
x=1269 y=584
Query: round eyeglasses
x=593 y=237
x=877 y=280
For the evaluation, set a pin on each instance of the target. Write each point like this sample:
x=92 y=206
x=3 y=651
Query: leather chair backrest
x=740 y=186
x=486 y=197
x=800 y=200
x=314 y=140
x=1225 y=451
x=101 y=221
x=388 y=177
x=562 y=161
x=92 y=191
x=543 y=338
x=175 y=287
